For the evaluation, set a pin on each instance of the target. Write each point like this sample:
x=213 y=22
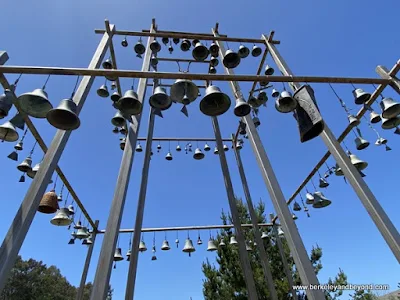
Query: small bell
x=200 y=52
x=212 y=70
x=49 y=203
x=154 y=257
x=103 y=91
x=113 y=85
x=61 y=218
x=275 y=93
x=361 y=143
x=320 y=200
x=231 y=59
x=214 y=61
x=170 y=49
x=26 y=165
x=281 y=234
x=199 y=241
x=262 y=98
x=338 y=171
x=285 y=103
x=264 y=235
x=248 y=248
x=256 y=122
x=176 y=41
x=71 y=210
x=107 y=64
x=206 y=148
x=178 y=148
x=139 y=148
x=142 y=246
x=353 y=120
x=35 y=104
x=123 y=130
x=22 y=178
x=380 y=141
x=185 y=45
x=269 y=70
x=216 y=150
x=89 y=240
x=118 y=120
x=374 y=117
x=128 y=255
x=309 y=198
x=198 y=154
x=130 y=103
x=165 y=40
x=214 y=49
x=188 y=248
x=294 y=217
x=139 y=48
x=155 y=46
x=153 y=60
x=226 y=148
x=390 y=108
x=243 y=51
x=124 y=43
x=122 y=143
x=160 y=99
x=222 y=243
x=239 y=145
x=323 y=183
x=19 y=146
x=233 y=240
x=165 y=246
x=296 y=206
x=242 y=108
x=32 y=173
x=118 y=255
x=82 y=233
x=168 y=156
x=65 y=116
x=253 y=102
x=256 y=51
x=115 y=96
x=360 y=97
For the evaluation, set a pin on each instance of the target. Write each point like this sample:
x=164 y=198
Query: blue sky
x=343 y=38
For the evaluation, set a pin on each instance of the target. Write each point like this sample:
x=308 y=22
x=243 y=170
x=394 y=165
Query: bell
x=78 y=225
x=243 y=51
x=107 y=64
x=183 y=87
x=32 y=172
x=353 y=120
x=360 y=97
x=216 y=150
x=123 y=129
x=170 y=49
x=226 y=148
x=89 y=240
x=222 y=243
x=160 y=99
x=294 y=217
x=307 y=115
x=103 y=91
x=130 y=103
x=390 y=108
x=26 y=165
x=139 y=148
x=142 y=246
x=285 y=103
x=214 y=49
x=61 y=218
x=242 y=108
x=71 y=209
x=361 y=143
x=358 y=163
x=256 y=51
x=381 y=141
x=113 y=85
x=118 y=120
x=231 y=59
x=155 y=46
x=139 y=48
x=165 y=246
x=262 y=98
x=214 y=103
x=5 y=105
x=188 y=248
x=65 y=116
x=296 y=206
x=71 y=241
x=323 y=183
x=22 y=178
x=233 y=240
x=239 y=145
x=165 y=40
x=19 y=146
x=13 y=156
x=248 y=248
x=309 y=198
x=178 y=148
x=390 y=123
x=153 y=60
x=115 y=96
x=176 y=41
x=35 y=104
x=168 y=156
x=256 y=122
x=158 y=148
x=320 y=200
x=128 y=255
x=198 y=154
x=177 y=243
x=59 y=197
x=264 y=235
x=206 y=148
x=154 y=257
x=212 y=70
x=214 y=61
x=338 y=171
x=269 y=70
x=200 y=52
x=118 y=255
x=49 y=203
x=242 y=128
x=253 y=102
x=185 y=45
x=84 y=242
x=374 y=117
x=281 y=234
x=111 y=77
x=124 y=43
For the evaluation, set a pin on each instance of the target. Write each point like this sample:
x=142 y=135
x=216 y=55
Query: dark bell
x=185 y=45
x=200 y=52
x=124 y=43
x=215 y=102
x=214 y=49
x=212 y=70
x=165 y=40
x=65 y=116
x=243 y=51
x=176 y=41
x=214 y=61
x=155 y=46
x=115 y=96
x=256 y=51
x=130 y=104
x=194 y=42
x=170 y=49
x=107 y=64
x=231 y=59
x=139 y=48
x=153 y=60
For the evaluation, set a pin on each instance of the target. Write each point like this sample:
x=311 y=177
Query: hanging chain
x=33 y=148
x=66 y=198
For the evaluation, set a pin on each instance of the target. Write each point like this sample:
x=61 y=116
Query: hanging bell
x=176 y=41
x=374 y=117
x=269 y=70
x=214 y=103
x=262 y=98
x=49 y=203
x=243 y=51
x=338 y=171
x=128 y=255
x=5 y=105
x=231 y=59
x=188 y=248
x=214 y=61
x=65 y=116
x=61 y=218
x=85 y=242
x=26 y=165
x=253 y=102
x=113 y=85
x=320 y=200
x=294 y=217
x=103 y=91
x=165 y=246
x=216 y=150
x=13 y=156
x=381 y=141
x=89 y=240
x=107 y=64
x=139 y=48
x=185 y=45
x=178 y=148
x=142 y=246
x=160 y=99
x=198 y=154
x=118 y=255
x=353 y=120
x=118 y=120
x=309 y=198
x=285 y=103
x=124 y=43
x=296 y=206
x=111 y=77
x=82 y=233
x=35 y=104
x=78 y=225
x=361 y=143
x=358 y=163
x=256 y=122
x=206 y=148
x=200 y=52
x=323 y=183
x=168 y=156
x=155 y=46
x=281 y=234
x=115 y=96
x=19 y=145
x=211 y=246
x=153 y=60
x=170 y=49
x=130 y=103
x=248 y=248
x=390 y=123
x=71 y=210
x=182 y=88
x=199 y=241
x=360 y=97
x=225 y=147
x=222 y=243
x=32 y=172
x=139 y=148
x=22 y=178
x=165 y=40
x=239 y=145
x=122 y=143
x=212 y=70
x=390 y=108
x=123 y=129
x=177 y=243
x=242 y=108
x=256 y=51
x=214 y=49
x=264 y=235
x=233 y=240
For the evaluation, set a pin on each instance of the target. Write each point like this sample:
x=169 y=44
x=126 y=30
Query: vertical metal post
x=244 y=258
x=79 y=295
x=260 y=245
x=104 y=266
x=133 y=262
x=371 y=204
x=26 y=213
x=295 y=243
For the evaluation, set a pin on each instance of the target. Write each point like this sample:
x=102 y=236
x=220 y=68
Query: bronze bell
x=124 y=43
x=160 y=99
x=155 y=46
x=214 y=49
x=231 y=59
x=374 y=117
x=360 y=97
x=153 y=60
x=285 y=103
x=256 y=51
x=8 y=132
x=242 y=108
x=65 y=116
x=390 y=123
x=188 y=248
x=212 y=70
x=115 y=96
x=35 y=104
x=296 y=206
x=253 y=102
x=390 y=108
x=185 y=45
x=256 y=122
x=214 y=103
x=5 y=105
x=320 y=200
x=269 y=70
x=214 y=61
x=182 y=88
x=361 y=143
x=139 y=48
x=323 y=183
x=118 y=120
x=103 y=91
x=198 y=154
x=49 y=203
x=107 y=64
x=243 y=51
x=130 y=104
x=26 y=165
x=176 y=41
x=200 y=52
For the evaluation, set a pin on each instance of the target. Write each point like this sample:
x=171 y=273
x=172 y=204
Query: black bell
x=185 y=45
x=214 y=49
x=165 y=40
x=155 y=46
x=139 y=48
x=176 y=41
x=231 y=59
x=124 y=43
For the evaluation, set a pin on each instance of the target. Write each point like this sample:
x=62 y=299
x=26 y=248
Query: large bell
x=165 y=246
x=160 y=99
x=214 y=61
x=390 y=123
x=5 y=105
x=256 y=51
x=139 y=48
x=214 y=103
x=360 y=97
x=320 y=200
x=188 y=248
x=307 y=114
x=198 y=154
x=130 y=103
x=49 y=203
x=82 y=233
x=61 y=218
x=269 y=70
x=233 y=240
x=107 y=64
x=118 y=120
x=361 y=143
x=8 y=132
x=183 y=87
x=64 y=117
x=296 y=206
x=103 y=91
x=35 y=104
x=358 y=163
x=142 y=246
x=243 y=51
x=374 y=117
x=242 y=108
x=32 y=172
x=26 y=165
x=200 y=52
x=155 y=46
x=309 y=198
x=323 y=183
x=185 y=45
x=390 y=108
x=118 y=255
x=231 y=59
x=214 y=49
x=285 y=103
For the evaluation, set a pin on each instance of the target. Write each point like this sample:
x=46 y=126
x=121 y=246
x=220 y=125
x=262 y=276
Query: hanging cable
x=75 y=87
x=33 y=148
x=312 y=182
x=380 y=93
x=44 y=86
x=344 y=144
x=17 y=80
x=66 y=198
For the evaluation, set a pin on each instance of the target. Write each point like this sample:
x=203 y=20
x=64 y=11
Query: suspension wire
x=44 y=86
x=75 y=87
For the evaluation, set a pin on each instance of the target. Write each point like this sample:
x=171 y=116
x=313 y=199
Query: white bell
x=222 y=243
x=165 y=246
x=309 y=198
x=211 y=246
x=281 y=234
x=233 y=240
x=264 y=235
x=142 y=246
x=82 y=233
x=61 y=218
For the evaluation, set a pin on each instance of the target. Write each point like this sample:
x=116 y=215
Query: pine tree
x=226 y=281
